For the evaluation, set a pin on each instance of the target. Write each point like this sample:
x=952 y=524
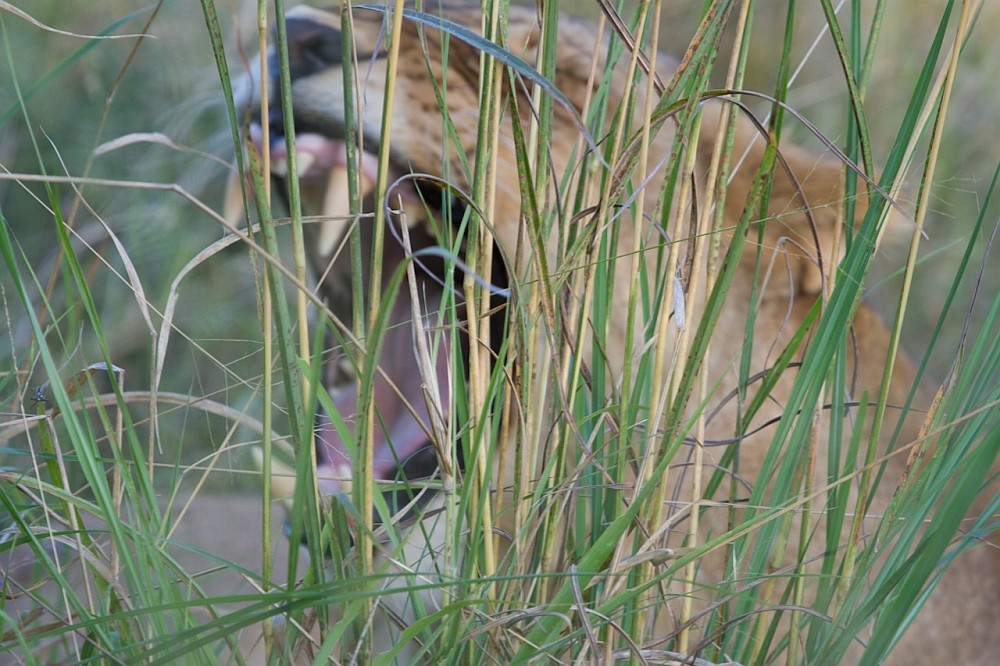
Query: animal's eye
x=322 y=51
x=312 y=47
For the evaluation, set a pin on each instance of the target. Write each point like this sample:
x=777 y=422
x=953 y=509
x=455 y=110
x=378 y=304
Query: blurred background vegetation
x=79 y=93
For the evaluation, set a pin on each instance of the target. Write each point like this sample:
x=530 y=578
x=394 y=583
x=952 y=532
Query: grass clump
x=605 y=429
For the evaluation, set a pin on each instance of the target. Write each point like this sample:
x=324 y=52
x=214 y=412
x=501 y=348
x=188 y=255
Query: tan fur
x=956 y=625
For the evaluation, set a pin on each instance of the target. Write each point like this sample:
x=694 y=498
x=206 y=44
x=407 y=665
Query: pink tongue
x=401 y=428
x=317 y=154
x=325 y=153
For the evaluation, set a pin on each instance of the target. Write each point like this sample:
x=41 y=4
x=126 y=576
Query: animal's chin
x=400 y=439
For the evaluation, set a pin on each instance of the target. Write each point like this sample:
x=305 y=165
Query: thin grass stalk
x=941 y=102
x=354 y=109
x=550 y=472
x=541 y=337
x=874 y=32
x=621 y=123
x=299 y=386
x=710 y=224
x=267 y=326
x=651 y=15
x=804 y=475
x=363 y=482
x=480 y=389
x=853 y=92
x=294 y=196
x=537 y=154
x=849 y=558
x=353 y=147
x=719 y=175
x=533 y=388
x=83 y=444
x=923 y=199
x=480 y=250
x=539 y=124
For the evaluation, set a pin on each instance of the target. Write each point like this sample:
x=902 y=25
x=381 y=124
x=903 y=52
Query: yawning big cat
x=607 y=346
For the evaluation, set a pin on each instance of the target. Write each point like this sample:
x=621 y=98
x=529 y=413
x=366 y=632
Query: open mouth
x=402 y=435
x=410 y=390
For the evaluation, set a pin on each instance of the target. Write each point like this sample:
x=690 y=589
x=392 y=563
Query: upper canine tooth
x=232 y=209
x=337 y=208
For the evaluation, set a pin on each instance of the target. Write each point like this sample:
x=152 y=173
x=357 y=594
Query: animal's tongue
x=402 y=422
x=316 y=155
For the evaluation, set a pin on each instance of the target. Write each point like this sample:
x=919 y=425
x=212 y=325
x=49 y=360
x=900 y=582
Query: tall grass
x=569 y=565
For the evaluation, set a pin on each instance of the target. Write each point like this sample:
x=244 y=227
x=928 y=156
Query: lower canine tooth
x=303 y=162
x=343 y=475
x=282 y=479
x=412 y=212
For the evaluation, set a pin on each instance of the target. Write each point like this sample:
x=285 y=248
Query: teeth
x=279 y=167
x=337 y=208
x=282 y=479
x=232 y=207
x=303 y=163
x=412 y=211
x=342 y=474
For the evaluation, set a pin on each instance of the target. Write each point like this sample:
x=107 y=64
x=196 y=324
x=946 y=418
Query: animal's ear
x=805 y=206
x=806 y=211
